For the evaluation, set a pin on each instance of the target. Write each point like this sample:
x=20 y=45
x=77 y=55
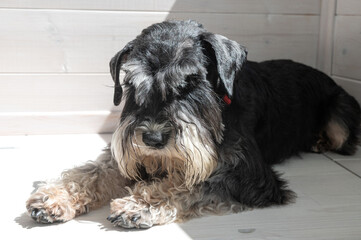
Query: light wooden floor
x=328 y=204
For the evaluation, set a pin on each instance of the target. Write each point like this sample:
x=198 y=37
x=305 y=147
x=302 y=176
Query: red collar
x=227 y=100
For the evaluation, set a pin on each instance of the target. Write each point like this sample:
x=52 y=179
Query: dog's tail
x=343 y=128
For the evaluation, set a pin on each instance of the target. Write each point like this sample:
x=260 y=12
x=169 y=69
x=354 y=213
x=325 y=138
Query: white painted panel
x=230 y=6
x=58 y=122
x=349 y=7
x=347 y=47
x=326 y=33
x=80 y=41
x=56 y=92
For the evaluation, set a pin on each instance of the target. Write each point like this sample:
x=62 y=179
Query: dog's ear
x=115 y=64
x=228 y=56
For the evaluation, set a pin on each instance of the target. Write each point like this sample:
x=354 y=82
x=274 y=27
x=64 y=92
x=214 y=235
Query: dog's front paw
x=131 y=220
x=130 y=213
x=41 y=215
x=50 y=205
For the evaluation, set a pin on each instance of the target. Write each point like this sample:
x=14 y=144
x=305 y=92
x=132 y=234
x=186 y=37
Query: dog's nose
x=155 y=139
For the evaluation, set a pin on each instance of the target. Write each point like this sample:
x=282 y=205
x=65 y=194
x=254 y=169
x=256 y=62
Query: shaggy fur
x=180 y=151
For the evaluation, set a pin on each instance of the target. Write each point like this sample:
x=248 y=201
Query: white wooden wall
x=346 y=64
x=54 y=55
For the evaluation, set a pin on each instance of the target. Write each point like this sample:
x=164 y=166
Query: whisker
x=109 y=86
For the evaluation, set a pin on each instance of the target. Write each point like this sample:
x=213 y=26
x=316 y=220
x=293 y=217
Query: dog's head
x=175 y=76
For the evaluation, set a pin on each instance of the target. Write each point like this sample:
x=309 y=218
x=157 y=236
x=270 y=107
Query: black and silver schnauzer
x=200 y=128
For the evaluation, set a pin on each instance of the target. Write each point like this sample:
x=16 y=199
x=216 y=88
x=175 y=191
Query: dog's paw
x=131 y=220
x=128 y=213
x=51 y=206
x=42 y=216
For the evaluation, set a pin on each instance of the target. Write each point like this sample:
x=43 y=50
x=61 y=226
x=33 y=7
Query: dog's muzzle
x=155 y=139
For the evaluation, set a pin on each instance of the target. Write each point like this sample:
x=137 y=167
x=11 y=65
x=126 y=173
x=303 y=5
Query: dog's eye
x=147 y=119
x=188 y=84
x=192 y=77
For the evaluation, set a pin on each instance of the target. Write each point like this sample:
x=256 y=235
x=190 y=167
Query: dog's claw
x=144 y=225
x=39 y=215
x=111 y=218
x=116 y=219
x=123 y=221
x=135 y=218
x=34 y=214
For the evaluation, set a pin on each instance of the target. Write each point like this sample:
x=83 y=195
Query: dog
x=200 y=130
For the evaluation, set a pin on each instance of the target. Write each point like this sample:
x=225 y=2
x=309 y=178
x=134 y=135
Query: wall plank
x=246 y=6
x=326 y=33
x=56 y=92
x=224 y=6
x=58 y=122
x=349 y=7
x=347 y=47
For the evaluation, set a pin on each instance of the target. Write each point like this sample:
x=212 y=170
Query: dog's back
x=293 y=108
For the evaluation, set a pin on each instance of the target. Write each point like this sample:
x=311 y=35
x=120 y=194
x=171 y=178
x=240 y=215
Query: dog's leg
x=162 y=203
x=79 y=190
x=149 y=204
x=246 y=178
x=342 y=130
